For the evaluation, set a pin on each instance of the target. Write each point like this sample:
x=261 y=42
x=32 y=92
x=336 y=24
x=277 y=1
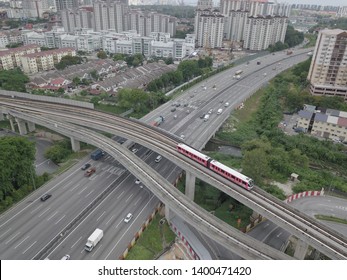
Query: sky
x=313 y=2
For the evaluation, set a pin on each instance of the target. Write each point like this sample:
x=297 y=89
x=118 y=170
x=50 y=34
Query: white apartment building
x=328 y=70
x=210 y=30
x=342 y=12
x=11 y=58
x=261 y=32
x=65 y=4
x=43 y=61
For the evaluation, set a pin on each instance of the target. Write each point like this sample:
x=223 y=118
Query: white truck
x=94 y=239
x=207 y=116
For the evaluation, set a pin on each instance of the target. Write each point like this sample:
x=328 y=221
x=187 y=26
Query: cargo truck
x=94 y=239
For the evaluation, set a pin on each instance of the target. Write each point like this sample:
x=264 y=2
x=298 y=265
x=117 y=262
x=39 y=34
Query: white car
x=134 y=150
x=137 y=181
x=128 y=218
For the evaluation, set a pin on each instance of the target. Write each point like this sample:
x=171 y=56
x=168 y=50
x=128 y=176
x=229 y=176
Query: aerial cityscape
x=173 y=130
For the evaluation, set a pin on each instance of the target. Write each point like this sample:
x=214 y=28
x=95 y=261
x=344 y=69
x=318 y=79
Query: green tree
x=13 y=80
x=101 y=55
x=255 y=164
x=76 y=81
x=16 y=165
x=67 y=61
x=94 y=74
x=59 y=151
x=133 y=98
x=118 y=56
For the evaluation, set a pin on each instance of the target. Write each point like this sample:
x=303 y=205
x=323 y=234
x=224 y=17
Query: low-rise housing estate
x=43 y=61
x=325 y=123
x=11 y=58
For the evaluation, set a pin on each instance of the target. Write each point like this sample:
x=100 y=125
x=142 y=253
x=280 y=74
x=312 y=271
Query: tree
x=255 y=164
x=13 y=80
x=101 y=55
x=59 y=151
x=67 y=61
x=118 y=56
x=94 y=74
x=76 y=81
x=133 y=98
x=16 y=165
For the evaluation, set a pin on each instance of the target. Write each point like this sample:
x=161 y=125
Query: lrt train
x=217 y=167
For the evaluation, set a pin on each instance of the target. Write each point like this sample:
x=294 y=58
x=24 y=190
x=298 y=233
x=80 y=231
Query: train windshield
x=250 y=184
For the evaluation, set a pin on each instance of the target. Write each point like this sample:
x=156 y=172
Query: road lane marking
x=119 y=223
x=29 y=248
x=109 y=220
x=89 y=193
x=77 y=185
x=37 y=208
x=120 y=194
x=22 y=241
x=56 y=212
x=82 y=190
x=5 y=232
x=100 y=245
x=129 y=197
x=12 y=237
x=59 y=220
x=137 y=201
x=44 y=212
x=73 y=245
x=101 y=215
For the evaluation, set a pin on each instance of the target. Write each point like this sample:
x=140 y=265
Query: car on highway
x=86 y=166
x=45 y=197
x=134 y=150
x=210 y=111
x=158 y=158
x=128 y=218
x=137 y=181
x=173 y=109
x=90 y=172
x=226 y=104
x=66 y=257
x=202 y=116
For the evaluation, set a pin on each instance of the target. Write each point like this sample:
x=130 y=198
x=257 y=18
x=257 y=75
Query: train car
x=231 y=174
x=193 y=154
x=217 y=167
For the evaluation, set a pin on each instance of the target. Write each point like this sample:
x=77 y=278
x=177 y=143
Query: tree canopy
x=67 y=61
x=16 y=165
x=13 y=79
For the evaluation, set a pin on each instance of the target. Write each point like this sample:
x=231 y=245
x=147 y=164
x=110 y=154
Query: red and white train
x=223 y=170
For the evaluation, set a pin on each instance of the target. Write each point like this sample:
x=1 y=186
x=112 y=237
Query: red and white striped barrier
x=185 y=242
x=304 y=194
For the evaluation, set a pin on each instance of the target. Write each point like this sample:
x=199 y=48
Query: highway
x=207 y=106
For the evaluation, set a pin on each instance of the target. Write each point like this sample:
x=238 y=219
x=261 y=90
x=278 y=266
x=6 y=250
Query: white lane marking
x=129 y=197
x=44 y=211
x=77 y=185
x=5 y=232
x=278 y=235
x=12 y=237
x=99 y=246
x=119 y=223
x=22 y=241
x=81 y=191
x=120 y=194
x=56 y=212
x=29 y=248
x=137 y=201
x=67 y=185
x=89 y=193
x=73 y=245
x=37 y=208
x=59 y=220
x=101 y=215
x=109 y=220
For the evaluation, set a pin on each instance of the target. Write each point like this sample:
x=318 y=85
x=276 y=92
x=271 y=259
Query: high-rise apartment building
x=66 y=4
x=328 y=70
x=77 y=19
x=210 y=30
x=110 y=15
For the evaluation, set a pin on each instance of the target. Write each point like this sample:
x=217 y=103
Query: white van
x=158 y=158
x=226 y=104
x=219 y=111
x=207 y=116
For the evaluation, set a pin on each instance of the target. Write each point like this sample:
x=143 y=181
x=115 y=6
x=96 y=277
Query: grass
x=331 y=219
x=109 y=108
x=153 y=241
x=5 y=124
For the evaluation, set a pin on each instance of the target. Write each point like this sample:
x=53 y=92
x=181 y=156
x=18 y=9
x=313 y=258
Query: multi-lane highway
x=231 y=94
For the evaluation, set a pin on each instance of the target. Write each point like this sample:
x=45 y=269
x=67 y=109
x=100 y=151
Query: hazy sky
x=317 y=2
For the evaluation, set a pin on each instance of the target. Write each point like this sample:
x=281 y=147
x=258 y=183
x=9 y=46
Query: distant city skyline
x=311 y=2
